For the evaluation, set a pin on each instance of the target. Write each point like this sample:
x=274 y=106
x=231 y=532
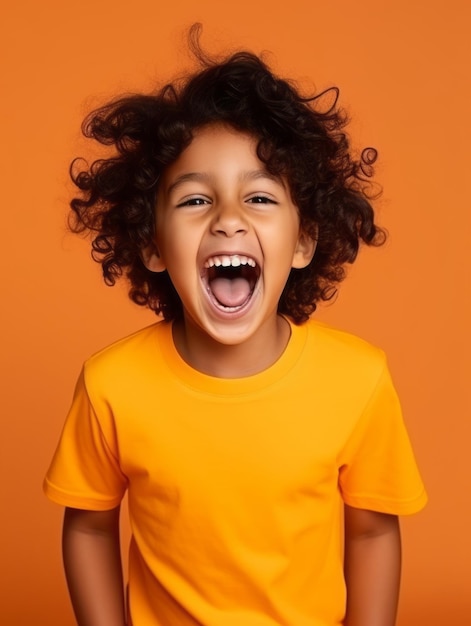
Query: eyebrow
x=205 y=178
x=255 y=174
x=190 y=177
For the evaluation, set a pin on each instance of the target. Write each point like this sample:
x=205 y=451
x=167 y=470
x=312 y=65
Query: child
x=246 y=435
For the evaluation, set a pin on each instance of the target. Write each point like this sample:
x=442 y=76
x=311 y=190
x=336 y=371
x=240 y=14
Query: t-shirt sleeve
x=85 y=471
x=378 y=470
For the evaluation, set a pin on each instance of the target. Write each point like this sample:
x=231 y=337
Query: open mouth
x=230 y=280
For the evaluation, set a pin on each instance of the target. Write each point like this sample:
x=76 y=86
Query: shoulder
x=340 y=359
x=131 y=354
x=342 y=345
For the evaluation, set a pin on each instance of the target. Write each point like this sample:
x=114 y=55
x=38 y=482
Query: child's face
x=228 y=234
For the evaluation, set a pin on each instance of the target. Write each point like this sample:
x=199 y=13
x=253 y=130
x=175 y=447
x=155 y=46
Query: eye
x=261 y=199
x=196 y=201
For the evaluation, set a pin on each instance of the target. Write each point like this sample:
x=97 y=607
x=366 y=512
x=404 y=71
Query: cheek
x=172 y=243
x=284 y=235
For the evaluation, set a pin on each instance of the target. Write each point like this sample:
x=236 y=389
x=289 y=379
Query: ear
x=151 y=258
x=304 y=251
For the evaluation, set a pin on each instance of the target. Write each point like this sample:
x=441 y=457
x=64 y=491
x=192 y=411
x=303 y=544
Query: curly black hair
x=296 y=139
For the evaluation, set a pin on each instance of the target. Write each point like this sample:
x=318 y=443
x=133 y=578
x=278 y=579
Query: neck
x=251 y=357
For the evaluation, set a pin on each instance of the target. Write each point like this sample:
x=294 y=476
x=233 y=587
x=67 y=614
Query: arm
x=92 y=561
x=372 y=567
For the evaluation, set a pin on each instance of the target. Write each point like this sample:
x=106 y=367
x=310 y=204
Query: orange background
x=403 y=69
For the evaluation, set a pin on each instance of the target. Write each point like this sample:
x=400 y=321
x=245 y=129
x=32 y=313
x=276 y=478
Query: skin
x=217 y=199
x=372 y=567
x=92 y=562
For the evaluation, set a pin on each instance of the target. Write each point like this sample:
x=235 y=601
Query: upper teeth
x=234 y=260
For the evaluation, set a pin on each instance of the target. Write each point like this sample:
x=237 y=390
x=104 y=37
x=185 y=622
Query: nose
x=229 y=220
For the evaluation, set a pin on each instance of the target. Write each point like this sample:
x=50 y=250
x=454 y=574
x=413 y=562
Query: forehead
x=216 y=147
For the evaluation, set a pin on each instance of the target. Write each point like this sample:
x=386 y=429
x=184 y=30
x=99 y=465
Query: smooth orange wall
x=403 y=68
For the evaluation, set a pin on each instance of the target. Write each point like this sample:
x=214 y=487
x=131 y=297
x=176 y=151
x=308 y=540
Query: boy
x=246 y=435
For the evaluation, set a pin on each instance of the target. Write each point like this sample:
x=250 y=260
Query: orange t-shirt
x=235 y=485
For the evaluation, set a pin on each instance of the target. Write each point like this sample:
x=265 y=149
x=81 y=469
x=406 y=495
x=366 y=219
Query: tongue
x=230 y=292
